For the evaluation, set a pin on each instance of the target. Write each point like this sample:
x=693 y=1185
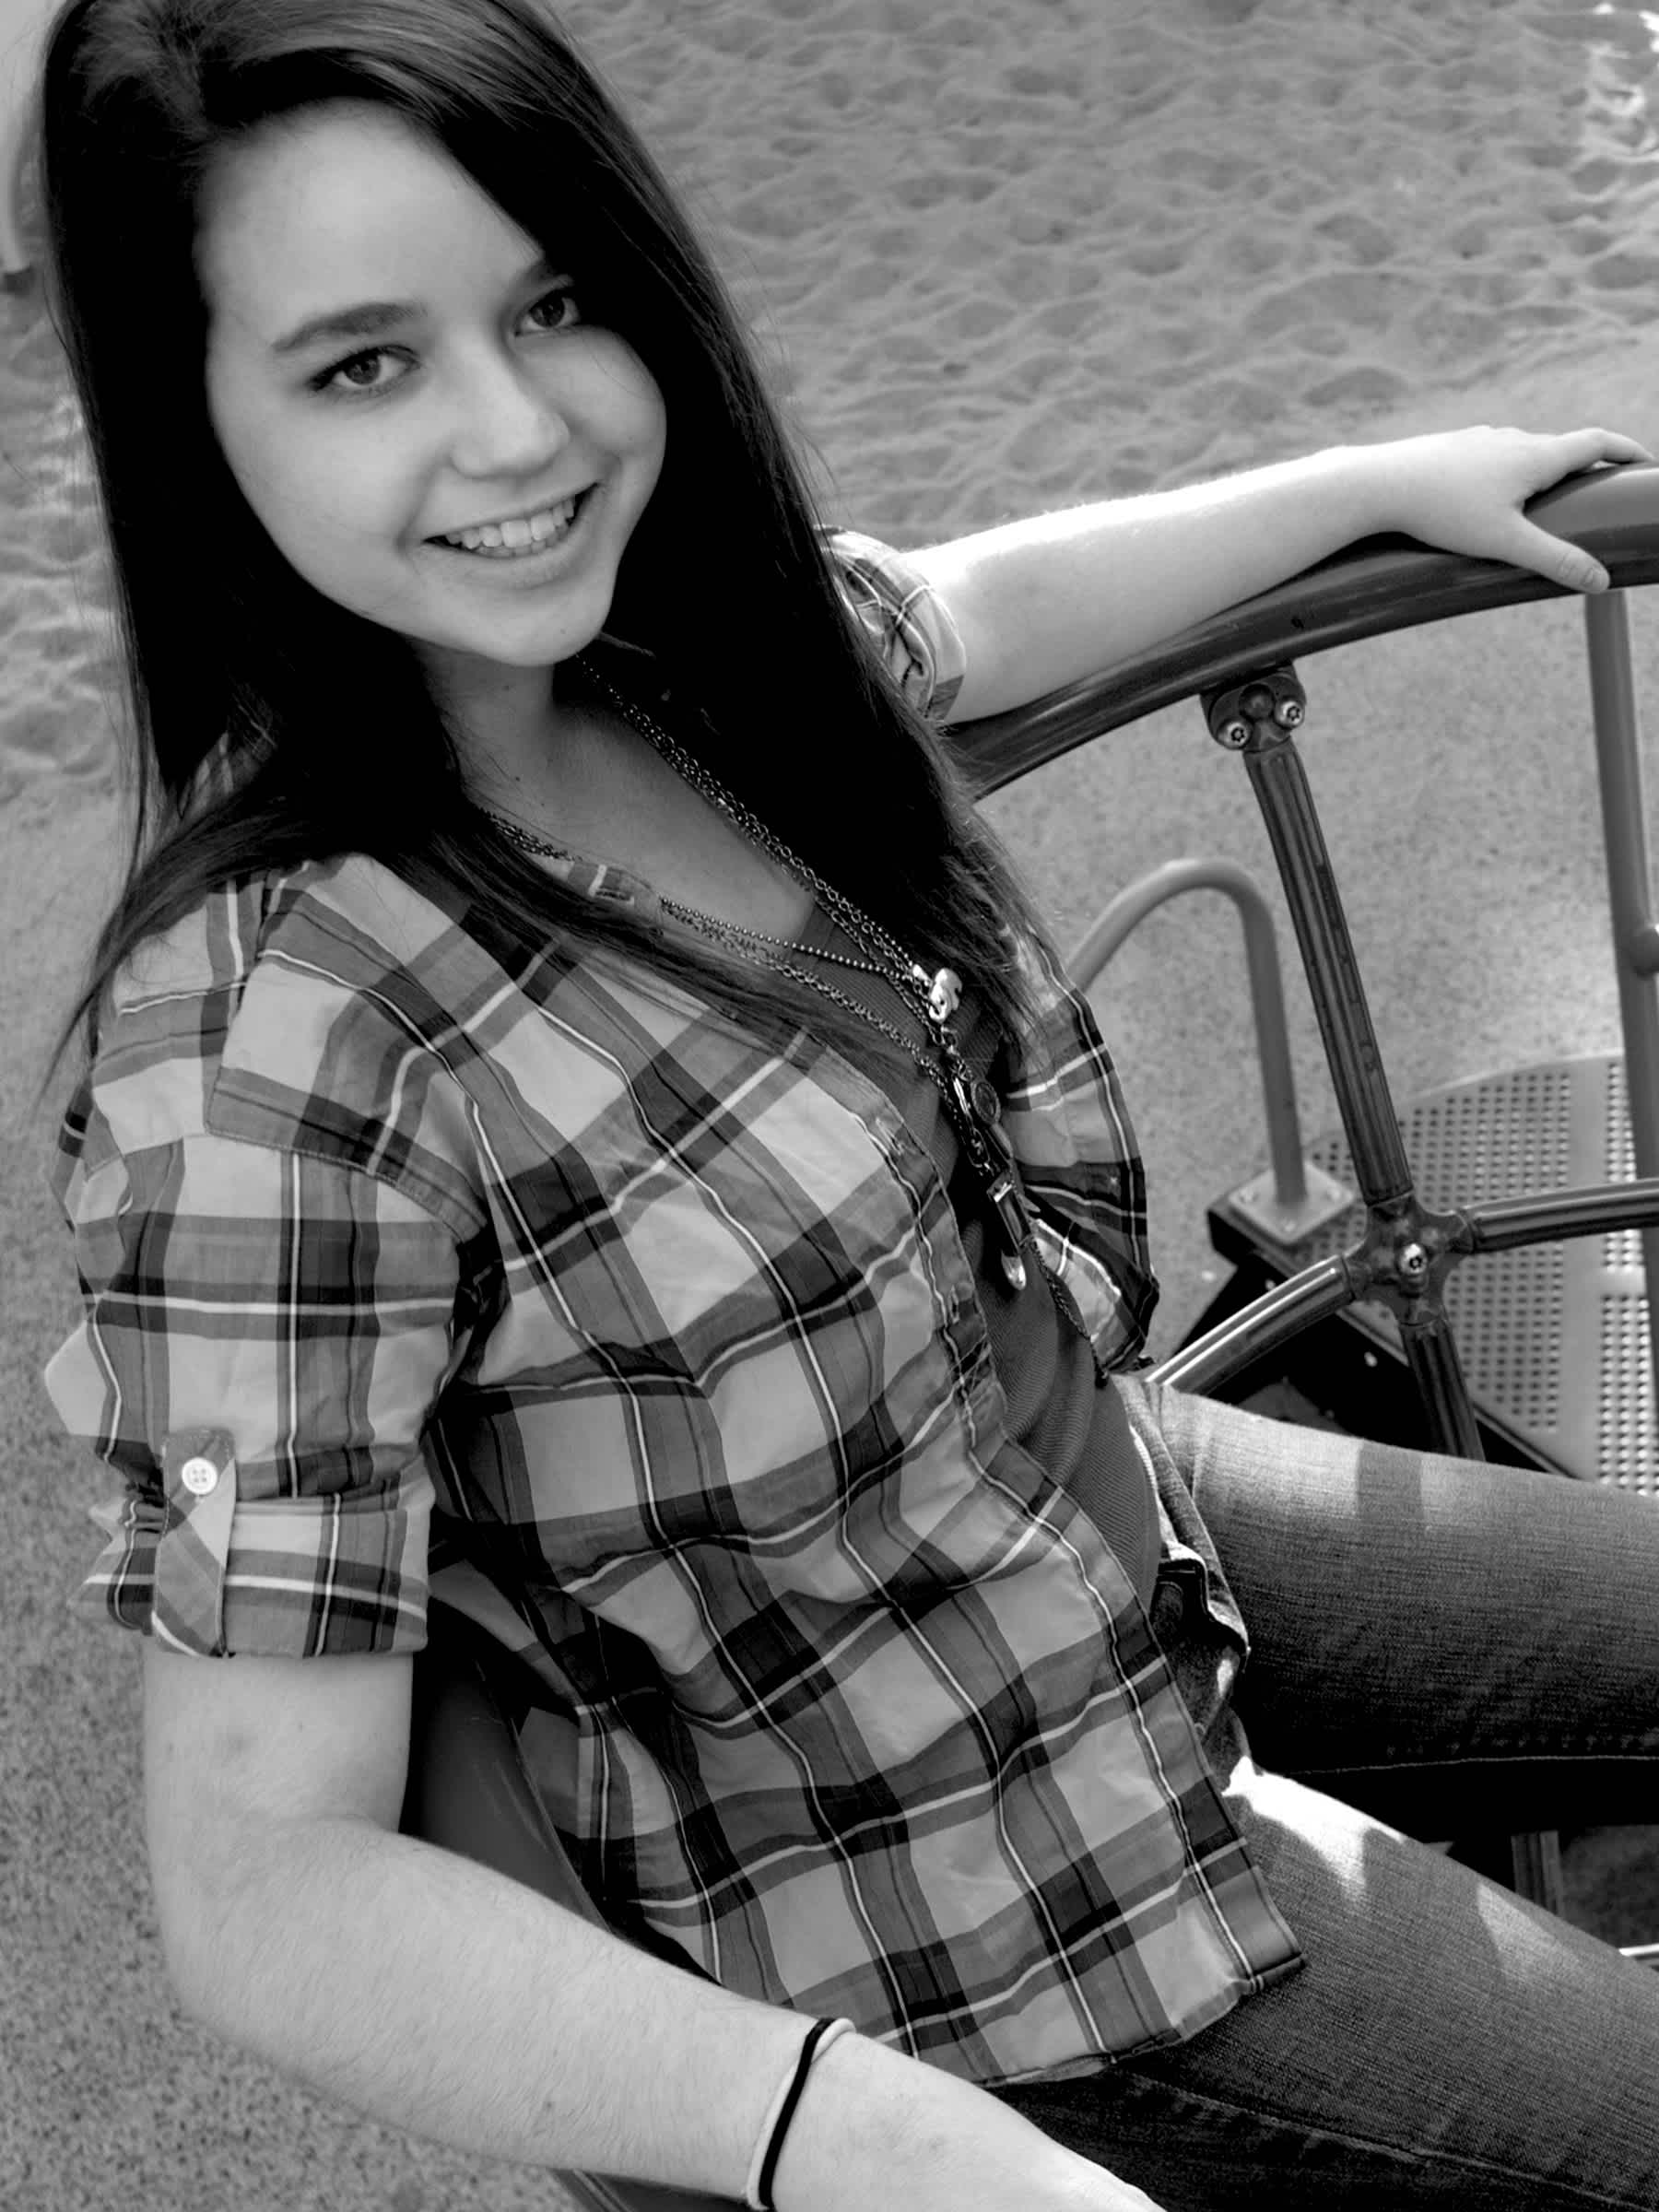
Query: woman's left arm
x=1045 y=602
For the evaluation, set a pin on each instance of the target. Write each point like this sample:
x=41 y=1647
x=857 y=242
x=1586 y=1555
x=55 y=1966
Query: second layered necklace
x=971 y=1101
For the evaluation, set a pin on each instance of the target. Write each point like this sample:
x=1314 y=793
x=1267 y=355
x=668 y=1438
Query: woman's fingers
x=1546 y=457
x=1555 y=457
x=1463 y=492
x=1605 y=445
x=1558 y=560
x=1555 y=557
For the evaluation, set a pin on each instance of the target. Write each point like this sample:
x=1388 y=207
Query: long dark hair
x=273 y=726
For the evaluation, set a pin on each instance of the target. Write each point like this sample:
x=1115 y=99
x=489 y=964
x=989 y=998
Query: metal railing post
x=1630 y=899
x=1256 y=719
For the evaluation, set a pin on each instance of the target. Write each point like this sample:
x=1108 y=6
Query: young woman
x=581 y=1124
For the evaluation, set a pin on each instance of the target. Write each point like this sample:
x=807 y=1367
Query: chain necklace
x=972 y=1103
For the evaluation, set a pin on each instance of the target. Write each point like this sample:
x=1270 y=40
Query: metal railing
x=1240 y=667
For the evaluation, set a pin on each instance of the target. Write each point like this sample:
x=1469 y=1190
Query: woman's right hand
x=873 y=2127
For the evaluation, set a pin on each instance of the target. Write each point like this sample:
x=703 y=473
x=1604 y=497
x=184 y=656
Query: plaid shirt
x=649 y=1343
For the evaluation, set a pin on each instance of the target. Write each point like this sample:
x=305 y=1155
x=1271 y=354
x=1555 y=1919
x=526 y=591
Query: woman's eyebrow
x=374 y=318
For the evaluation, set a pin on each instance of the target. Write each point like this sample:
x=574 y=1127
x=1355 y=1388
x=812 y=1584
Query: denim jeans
x=1435 y=1648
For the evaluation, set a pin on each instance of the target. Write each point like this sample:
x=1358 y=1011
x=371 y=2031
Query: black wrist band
x=803 y=2068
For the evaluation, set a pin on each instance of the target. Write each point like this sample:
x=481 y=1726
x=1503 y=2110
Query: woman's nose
x=509 y=422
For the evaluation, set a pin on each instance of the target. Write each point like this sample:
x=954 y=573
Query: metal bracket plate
x=1256 y=1203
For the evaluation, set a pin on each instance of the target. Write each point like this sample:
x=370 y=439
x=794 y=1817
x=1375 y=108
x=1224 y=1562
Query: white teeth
x=513 y=537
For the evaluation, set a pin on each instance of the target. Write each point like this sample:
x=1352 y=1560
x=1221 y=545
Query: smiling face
x=489 y=397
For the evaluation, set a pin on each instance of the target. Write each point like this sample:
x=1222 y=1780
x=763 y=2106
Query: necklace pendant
x=1014 y=1215
x=977 y=1100
x=944 y=994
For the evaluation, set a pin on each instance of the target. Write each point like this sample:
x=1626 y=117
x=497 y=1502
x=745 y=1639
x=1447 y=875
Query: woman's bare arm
x=442 y=1998
x=1043 y=602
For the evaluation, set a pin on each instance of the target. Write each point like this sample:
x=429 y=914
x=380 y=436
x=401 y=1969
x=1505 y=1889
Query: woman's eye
x=565 y=312
x=357 y=360
x=564 y=299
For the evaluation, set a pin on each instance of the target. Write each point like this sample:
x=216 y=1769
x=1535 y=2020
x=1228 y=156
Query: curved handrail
x=1323 y=1289
x=1378 y=585
x=1241 y=665
x=1172 y=880
x=1375 y=586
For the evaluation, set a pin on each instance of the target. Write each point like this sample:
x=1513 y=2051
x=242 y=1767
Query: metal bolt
x=1288 y=715
x=1413 y=1260
x=1234 y=734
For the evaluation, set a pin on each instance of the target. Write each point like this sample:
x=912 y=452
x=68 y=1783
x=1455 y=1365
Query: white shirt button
x=199 y=1476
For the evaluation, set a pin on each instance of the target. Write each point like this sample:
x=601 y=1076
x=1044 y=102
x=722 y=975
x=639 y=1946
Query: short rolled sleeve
x=266 y=1335
x=912 y=627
